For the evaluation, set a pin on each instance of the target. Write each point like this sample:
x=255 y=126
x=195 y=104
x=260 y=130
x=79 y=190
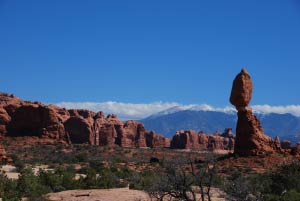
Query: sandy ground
x=118 y=194
x=8 y=168
x=12 y=175
x=9 y=171
x=123 y=194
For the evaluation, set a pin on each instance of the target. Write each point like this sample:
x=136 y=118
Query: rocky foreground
x=123 y=194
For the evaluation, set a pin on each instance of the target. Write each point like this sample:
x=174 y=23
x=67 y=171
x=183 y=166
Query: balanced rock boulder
x=241 y=92
x=250 y=137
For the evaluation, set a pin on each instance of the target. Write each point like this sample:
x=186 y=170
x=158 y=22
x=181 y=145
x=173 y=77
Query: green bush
x=291 y=195
x=143 y=180
x=282 y=184
x=28 y=185
x=82 y=157
x=96 y=165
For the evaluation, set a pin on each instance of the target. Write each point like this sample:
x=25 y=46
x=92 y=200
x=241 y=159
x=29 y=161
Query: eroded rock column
x=250 y=137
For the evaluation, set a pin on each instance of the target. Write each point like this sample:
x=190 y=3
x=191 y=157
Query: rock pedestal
x=250 y=137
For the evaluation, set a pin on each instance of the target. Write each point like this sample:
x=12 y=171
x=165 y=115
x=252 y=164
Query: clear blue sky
x=149 y=50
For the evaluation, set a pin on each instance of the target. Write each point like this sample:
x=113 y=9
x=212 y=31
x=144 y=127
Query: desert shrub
x=90 y=181
x=63 y=158
x=82 y=157
x=96 y=165
x=154 y=160
x=8 y=189
x=59 y=180
x=124 y=173
x=279 y=185
x=108 y=179
x=291 y=195
x=118 y=159
x=19 y=164
x=286 y=178
x=244 y=187
x=143 y=180
x=28 y=185
x=178 y=179
x=83 y=170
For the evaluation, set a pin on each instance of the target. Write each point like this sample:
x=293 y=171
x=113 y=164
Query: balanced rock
x=241 y=91
x=250 y=137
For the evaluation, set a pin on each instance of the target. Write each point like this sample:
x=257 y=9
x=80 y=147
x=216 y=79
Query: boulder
x=241 y=91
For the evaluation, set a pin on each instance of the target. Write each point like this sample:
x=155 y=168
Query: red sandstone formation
x=227 y=133
x=296 y=150
x=241 y=92
x=3 y=156
x=4 y=120
x=79 y=130
x=36 y=120
x=250 y=137
x=153 y=140
x=52 y=123
x=25 y=118
x=201 y=141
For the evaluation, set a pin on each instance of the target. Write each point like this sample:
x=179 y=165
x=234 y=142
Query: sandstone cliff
x=25 y=118
x=201 y=141
x=54 y=124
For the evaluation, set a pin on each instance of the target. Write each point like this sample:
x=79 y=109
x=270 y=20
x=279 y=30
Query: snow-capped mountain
x=167 y=122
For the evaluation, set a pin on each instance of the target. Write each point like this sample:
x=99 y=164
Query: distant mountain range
x=167 y=122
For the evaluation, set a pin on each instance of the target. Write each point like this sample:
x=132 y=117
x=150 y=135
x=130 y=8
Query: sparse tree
x=183 y=179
